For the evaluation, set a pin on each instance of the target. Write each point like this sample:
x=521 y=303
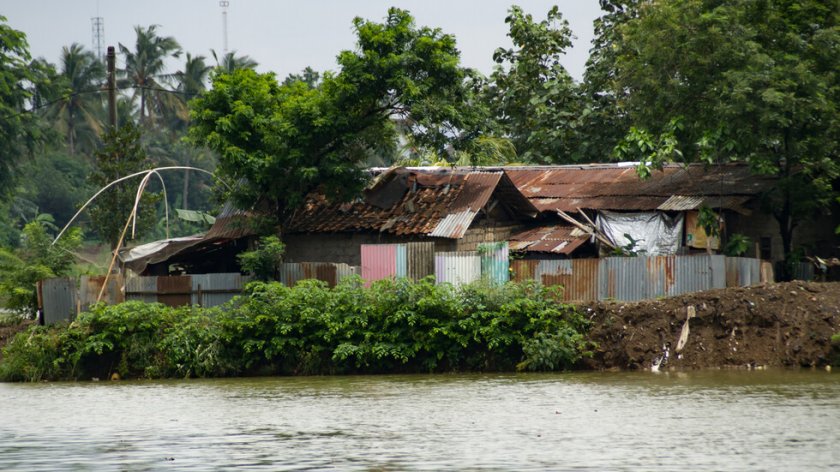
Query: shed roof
x=618 y=187
x=402 y=202
x=551 y=239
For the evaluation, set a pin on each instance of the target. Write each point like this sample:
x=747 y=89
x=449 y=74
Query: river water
x=707 y=420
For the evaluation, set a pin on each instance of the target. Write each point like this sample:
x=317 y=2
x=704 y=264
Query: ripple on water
x=591 y=421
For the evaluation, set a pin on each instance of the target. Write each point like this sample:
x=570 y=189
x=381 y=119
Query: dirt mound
x=784 y=324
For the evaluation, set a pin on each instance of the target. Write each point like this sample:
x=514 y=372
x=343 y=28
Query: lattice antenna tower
x=97 y=30
x=224 y=4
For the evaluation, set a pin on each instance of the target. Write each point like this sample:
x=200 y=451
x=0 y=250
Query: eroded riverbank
x=783 y=324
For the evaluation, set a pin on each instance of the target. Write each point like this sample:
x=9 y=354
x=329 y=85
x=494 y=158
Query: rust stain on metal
x=327 y=273
x=174 y=290
x=524 y=269
x=670 y=264
x=550 y=239
x=618 y=187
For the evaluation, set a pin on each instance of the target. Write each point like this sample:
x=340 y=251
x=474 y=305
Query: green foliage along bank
x=392 y=327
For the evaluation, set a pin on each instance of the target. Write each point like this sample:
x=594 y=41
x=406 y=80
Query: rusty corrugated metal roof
x=618 y=187
x=553 y=239
x=434 y=203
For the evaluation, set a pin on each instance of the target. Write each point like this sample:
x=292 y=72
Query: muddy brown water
x=701 y=420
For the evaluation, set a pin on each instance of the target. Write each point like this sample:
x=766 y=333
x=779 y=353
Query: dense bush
x=393 y=326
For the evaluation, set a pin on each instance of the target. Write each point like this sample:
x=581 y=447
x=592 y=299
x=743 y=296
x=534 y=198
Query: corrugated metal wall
x=742 y=271
x=622 y=278
x=421 y=260
x=379 y=261
x=329 y=272
x=211 y=290
x=143 y=289
x=91 y=285
x=636 y=278
x=412 y=260
x=200 y=289
x=579 y=277
x=495 y=262
x=459 y=267
x=59 y=299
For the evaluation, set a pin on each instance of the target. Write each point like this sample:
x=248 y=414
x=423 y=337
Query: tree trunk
x=70 y=138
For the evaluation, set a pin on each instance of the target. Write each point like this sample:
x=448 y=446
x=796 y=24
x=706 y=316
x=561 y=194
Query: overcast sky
x=284 y=36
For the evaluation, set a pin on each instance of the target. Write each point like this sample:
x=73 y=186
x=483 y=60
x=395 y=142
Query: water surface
x=708 y=420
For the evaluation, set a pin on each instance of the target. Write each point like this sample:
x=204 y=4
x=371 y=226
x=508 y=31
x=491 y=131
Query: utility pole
x=112 y=88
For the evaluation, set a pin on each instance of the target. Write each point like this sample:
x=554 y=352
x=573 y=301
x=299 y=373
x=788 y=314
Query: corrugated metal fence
x=206 y=290
x=412 y=260
x=418 y=260
x=331 y=273
x=63 y=298
x=639 y=278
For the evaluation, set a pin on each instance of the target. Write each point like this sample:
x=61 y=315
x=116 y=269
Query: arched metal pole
x=121 y=179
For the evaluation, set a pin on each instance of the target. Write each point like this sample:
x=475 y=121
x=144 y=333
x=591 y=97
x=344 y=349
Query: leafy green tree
x=280 y=142
x=36 y=259
x=264 y=261
x=77 y=112
x=755 y=82
x=20 y=132
x=145 y=71
x=121 y=155
x=56 y=184
x=309 y=76
x=530 y=92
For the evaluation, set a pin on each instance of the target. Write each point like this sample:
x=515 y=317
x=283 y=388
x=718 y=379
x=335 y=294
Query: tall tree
x=281 y=142
x=756 y=82
x=120 y=156
x=229 y=62
x=530 y=92
x=145 y=71
x=19 y=130
x=192 y=79
x=77 y=112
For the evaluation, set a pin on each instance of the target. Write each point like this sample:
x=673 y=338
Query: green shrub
x=393 y=326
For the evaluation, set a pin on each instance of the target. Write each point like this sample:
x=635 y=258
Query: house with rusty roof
x=603 y=196
x=457 y=209
x=542 y=211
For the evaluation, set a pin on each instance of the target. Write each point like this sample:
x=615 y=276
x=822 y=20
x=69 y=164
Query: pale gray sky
x=285 y=36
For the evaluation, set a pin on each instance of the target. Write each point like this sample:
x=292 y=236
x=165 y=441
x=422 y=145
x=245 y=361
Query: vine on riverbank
x=393 y=326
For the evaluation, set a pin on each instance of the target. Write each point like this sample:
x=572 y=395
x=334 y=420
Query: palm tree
x=145 y=70
x=193 y=79
x=231 y=62
x=191 y=82
x=77 y=112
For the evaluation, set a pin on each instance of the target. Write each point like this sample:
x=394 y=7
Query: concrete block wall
x=485 y=234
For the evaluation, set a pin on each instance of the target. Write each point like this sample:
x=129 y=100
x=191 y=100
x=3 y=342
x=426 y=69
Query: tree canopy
x=282 y=141
x=19 y=131
x=716 y=81
x=530 y=93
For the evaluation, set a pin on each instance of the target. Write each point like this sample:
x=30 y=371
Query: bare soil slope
x=783 y=324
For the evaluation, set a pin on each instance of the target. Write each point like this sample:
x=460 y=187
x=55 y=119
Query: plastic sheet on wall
x=654 y=233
